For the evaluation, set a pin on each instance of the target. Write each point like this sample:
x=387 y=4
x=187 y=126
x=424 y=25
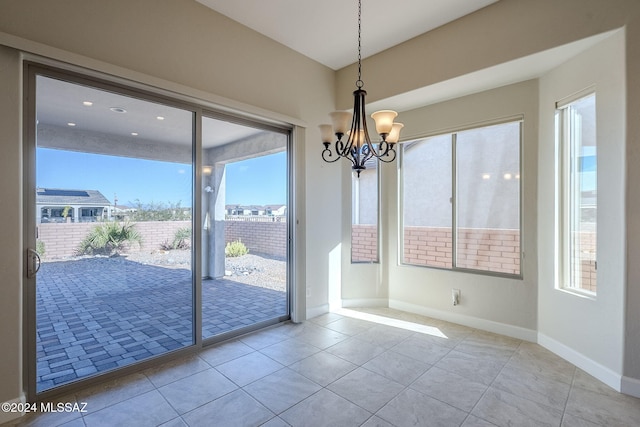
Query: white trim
x=470 y=321
x=583 y=93
x=9 y=416
x=365 y=302
x=317 y=311
x=593 y=368
x=630 y=386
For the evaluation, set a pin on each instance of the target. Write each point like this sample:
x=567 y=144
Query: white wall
x=11 y=259
x=588 y=331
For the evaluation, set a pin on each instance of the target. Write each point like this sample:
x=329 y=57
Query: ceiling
x=60 y=104
x=81 y=108
x=327 y=30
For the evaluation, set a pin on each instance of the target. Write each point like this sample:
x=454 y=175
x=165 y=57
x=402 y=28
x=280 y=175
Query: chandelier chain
x=359 y=82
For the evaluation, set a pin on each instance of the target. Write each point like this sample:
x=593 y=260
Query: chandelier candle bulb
x=326 y=133
x=341 y=121
x=358 y=139
x=394 y=135
x=384 y=121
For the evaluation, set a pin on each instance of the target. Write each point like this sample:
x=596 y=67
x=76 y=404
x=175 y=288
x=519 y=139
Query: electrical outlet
x=455 y=296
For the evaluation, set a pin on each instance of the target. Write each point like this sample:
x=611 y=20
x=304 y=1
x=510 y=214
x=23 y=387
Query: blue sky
x=258 y=181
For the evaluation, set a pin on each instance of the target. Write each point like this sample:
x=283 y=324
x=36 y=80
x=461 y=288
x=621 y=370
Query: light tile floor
x=380 y=368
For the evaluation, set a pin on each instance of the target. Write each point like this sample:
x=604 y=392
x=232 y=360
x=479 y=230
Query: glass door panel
x=245 y=227
x=113 y=215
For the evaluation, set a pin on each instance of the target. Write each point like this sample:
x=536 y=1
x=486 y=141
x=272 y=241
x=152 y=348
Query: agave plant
x=109 y=238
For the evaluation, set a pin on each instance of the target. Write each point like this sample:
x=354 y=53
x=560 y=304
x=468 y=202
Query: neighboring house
x=120 y=212
x=276 y=210
x=63 y=205
x=268 y=210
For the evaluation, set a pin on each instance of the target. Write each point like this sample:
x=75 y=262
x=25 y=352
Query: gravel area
x=251 y=269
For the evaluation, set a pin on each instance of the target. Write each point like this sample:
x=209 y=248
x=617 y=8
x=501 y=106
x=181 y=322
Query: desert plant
x=235 y=249
x=109 y=238
x=181 y=238
x=40 y=249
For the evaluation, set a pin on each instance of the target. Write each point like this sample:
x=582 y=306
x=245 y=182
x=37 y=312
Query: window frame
x=454 y=199
x=356 y=179
x=565 y=195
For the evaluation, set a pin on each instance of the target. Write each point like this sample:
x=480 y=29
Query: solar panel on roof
x=63 y=193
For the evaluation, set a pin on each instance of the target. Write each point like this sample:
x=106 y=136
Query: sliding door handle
x=33 y=263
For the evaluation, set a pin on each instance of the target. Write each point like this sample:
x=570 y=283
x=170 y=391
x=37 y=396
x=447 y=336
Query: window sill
x=579 y=293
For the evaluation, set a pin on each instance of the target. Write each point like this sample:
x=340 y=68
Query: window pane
x=582 y=194
x=364 y=214
x=488 y=198
x=426 y=201
x=244 y=227
x=114 y=190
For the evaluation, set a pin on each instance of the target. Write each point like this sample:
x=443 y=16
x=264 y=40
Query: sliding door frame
x=95 y=79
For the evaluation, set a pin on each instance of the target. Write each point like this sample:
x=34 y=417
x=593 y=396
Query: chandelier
x=358 y=148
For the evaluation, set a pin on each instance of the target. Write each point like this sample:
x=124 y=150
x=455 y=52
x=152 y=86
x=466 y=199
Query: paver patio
x=97 y=314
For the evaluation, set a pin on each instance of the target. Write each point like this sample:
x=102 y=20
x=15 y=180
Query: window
x=576 y=121
x=461 y=200
x=426 y=203
x=364 y=214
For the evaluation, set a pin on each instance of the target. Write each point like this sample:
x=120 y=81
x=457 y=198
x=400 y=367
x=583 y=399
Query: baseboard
x=5 y=417
x=365 y=302
x=630 y=386
x=317 y=311
x=591 y=367
x=470 y=321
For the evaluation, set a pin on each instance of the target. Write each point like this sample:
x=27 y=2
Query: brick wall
x=495 y=250
x=269 y=238
x=364 y=243
x=587 y=247
x=480 y=249
x=62 y=240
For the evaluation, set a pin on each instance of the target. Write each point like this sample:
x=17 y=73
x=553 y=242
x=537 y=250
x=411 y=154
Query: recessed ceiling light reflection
x=160 y=118
x=118 y=110
x=134 y=133
x=507 y=176
x=486 y=176
x=71 y=124
x=87 y=103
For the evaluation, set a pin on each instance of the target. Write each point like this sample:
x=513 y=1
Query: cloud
x=181 y=171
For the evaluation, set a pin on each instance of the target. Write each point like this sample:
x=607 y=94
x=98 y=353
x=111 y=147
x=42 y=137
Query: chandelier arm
x=340 y=148
x=327 y=154
x=391 y=152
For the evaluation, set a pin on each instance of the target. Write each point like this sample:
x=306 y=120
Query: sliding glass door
x=125 y=262
x=113 y=219
x=245 y=226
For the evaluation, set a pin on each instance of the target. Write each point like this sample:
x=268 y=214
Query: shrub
x=109 y=238
x=40 y=249
x=181 y=240
x=235 y=249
